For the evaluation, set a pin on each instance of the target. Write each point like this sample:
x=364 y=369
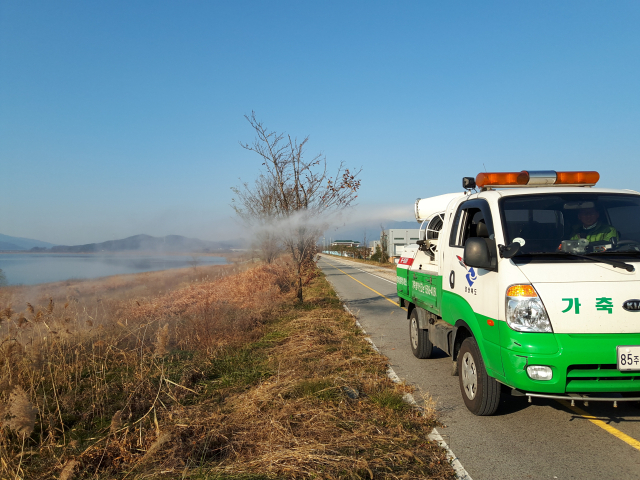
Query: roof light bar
x=577 y=178
x=502 y=178
x=536 y=178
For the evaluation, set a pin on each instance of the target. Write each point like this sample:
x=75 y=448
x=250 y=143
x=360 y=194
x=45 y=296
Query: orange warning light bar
x=502 y=178
x=577 y=178
x=521 y=291
x=534 y=178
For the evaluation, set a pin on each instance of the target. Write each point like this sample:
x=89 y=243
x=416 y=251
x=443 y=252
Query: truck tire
x=419 y=338
x=480 y=392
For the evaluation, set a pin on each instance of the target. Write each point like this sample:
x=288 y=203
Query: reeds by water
x=223 y=374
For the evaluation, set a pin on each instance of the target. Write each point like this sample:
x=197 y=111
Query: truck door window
x=453 y=240
x=474 y=220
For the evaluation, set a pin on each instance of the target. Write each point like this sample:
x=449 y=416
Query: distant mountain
x=10 y=246
x=8 y=242
x=147 y=243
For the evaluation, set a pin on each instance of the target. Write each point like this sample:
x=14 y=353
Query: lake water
x=34 y=268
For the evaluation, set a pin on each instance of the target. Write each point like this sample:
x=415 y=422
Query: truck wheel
x=480 y=392
x=420 y=344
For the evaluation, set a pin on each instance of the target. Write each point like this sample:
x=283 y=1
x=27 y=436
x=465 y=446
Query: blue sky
x=119 y=118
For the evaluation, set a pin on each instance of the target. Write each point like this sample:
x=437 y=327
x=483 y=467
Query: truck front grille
x=601 y=378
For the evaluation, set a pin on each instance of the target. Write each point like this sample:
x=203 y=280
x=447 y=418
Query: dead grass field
x=200 y=374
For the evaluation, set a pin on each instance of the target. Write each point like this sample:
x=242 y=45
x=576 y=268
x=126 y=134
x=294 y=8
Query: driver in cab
x=592 y=229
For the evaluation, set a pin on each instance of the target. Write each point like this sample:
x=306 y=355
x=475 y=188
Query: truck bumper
x=581 y=363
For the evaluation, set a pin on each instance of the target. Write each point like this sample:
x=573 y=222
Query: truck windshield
x=584 y=224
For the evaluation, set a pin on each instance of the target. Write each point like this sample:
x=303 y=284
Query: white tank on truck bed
x=426 y=208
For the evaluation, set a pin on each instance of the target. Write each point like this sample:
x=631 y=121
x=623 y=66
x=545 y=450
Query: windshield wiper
x=613 y=252
x=628 y=267
x=617 y=252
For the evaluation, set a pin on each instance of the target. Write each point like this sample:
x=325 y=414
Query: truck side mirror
x=477 y=255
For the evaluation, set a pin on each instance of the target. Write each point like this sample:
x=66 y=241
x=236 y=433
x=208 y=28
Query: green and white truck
x=529 y=280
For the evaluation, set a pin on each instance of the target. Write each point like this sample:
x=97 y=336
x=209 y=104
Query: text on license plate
x=629 y=357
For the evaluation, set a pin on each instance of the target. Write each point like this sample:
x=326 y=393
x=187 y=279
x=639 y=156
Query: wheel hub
x=469 y=376
x=414 y=333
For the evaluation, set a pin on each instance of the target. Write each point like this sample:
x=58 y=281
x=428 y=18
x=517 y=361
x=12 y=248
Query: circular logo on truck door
x=471 y=276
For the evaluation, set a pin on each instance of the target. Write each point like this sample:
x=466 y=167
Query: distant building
x=345 y=243
x=397 y=239
x=373 y=245
x=339 y=247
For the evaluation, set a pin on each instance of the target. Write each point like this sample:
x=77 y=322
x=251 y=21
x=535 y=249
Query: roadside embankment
x=225 y=377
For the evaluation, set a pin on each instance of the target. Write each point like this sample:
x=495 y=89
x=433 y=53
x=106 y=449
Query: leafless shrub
x=267 y=244
x=195 y=261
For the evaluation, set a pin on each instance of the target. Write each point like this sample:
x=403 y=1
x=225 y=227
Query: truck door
x=471 y=294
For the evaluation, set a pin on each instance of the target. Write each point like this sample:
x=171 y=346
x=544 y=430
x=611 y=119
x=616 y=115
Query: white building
x=397 y=238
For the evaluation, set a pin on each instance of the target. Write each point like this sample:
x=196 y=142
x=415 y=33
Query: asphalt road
x=539 y=440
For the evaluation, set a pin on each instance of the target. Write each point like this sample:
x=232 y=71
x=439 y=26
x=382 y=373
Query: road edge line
x=434 y=436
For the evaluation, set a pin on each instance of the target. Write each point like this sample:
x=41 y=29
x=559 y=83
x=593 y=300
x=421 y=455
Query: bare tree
x=384 y=245
x=267 y=244
x=195 y=261
x=293 y=194
x=365 y=247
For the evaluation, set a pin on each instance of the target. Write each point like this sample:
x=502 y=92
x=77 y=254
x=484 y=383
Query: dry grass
x=224 y=377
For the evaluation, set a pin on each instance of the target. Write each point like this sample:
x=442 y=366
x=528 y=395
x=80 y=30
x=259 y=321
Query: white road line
x=372 y=274
x=434 y=436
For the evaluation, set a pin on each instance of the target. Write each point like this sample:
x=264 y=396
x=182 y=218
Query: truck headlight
x=525 y=311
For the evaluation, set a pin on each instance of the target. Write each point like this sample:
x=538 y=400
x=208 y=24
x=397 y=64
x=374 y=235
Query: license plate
x=629 y=358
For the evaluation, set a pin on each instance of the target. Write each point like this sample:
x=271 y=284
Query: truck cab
x=529 y=280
